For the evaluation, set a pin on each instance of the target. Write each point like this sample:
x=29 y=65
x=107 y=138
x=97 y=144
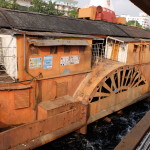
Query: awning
x=124 y=39
x=58 y=42
x=145 y=40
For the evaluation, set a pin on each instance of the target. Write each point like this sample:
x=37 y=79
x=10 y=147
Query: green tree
x=9 y=4
x=37 y=6
x=4 y=3
x=44 y=7
x=134 y=23
x=73 y=13
x=148 y=29
x=13 y=5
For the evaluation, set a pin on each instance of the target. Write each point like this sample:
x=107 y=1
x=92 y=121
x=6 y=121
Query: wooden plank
x=138 y=76
x=99 y=94
x=118 y=79
x=113 y=82
x=123 y=77
x=128 y=77
x=58 y=42
x=107 y=87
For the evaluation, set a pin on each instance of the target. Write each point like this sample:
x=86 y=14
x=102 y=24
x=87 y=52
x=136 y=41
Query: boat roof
x=37 y=22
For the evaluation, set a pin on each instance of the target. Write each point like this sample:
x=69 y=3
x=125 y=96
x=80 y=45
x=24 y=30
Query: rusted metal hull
x=43 y=131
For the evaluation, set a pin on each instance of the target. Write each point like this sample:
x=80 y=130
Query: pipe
x=25 y=67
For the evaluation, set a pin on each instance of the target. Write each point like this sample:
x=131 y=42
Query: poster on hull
x=35 y=63
x=68 y=60
x=64 y=61
x=75 y=59
x=48 y=62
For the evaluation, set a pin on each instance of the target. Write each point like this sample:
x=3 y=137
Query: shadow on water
x=101 y=135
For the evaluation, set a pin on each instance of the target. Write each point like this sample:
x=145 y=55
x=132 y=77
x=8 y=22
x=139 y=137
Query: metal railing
x=98 y=53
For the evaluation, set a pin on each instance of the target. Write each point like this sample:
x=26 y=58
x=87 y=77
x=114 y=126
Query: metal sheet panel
x=62 y=89
x=21 y=99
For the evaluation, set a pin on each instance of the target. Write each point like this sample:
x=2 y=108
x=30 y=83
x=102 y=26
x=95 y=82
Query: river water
x=102 y=135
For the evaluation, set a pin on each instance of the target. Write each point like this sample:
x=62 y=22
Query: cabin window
x=122 y=47
x=143 y=47
x=53 y=50
x=82 y=49
x=67 y=49
x=135 y=48
x=34 y=50
x=110 y=43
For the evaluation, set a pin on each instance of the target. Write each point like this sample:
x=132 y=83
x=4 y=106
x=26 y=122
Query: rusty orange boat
x=57 y=75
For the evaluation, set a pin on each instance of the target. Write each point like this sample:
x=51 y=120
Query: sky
x=122 y=7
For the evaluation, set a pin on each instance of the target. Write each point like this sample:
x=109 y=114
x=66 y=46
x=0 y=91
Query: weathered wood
x=58 y=42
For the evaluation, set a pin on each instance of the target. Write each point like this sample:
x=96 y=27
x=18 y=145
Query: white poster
x=35 y=63
x=64 y=61
x=75 y=59
x=68 y=60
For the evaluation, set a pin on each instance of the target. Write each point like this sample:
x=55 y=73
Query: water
x=101 y=135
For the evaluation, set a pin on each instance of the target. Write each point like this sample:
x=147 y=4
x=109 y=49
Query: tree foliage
x=148 y=29
x=133 y=23
x=9 y=4
x=3 y=3
x=73 y=13
x=37 y=6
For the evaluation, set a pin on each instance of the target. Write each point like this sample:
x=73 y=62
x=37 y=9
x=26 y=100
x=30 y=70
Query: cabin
x=58 y=61
x=128 y=50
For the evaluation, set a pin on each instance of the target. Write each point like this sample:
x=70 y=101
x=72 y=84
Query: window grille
x=8 y=60
x=98 y=53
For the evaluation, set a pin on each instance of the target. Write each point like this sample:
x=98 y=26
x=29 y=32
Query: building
x=65 y=5
x=142 y=19
x=61 y=5
x=25 y=3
